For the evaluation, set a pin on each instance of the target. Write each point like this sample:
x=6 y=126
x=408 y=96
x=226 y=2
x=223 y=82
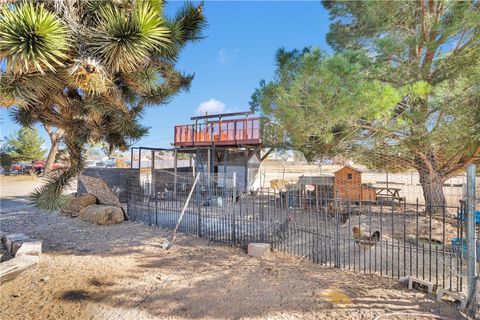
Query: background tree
x=25 y=145
x=5 y=160
x=89 y=69
x=402 y=91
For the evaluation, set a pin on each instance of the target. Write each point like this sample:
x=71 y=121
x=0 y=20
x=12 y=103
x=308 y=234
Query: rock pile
x=104 y=194
x=76 y=204
x=100 y=205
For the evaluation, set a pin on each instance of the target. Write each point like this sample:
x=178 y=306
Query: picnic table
x=389 y=193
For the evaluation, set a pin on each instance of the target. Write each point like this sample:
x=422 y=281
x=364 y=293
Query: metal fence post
x=234 y=192
x=470 y=234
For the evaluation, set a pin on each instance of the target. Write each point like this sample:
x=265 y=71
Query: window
x=349 y=176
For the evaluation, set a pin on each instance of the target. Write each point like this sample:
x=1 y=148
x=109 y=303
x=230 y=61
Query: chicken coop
x=344 y=184
x=316 y=190
x=348 y=186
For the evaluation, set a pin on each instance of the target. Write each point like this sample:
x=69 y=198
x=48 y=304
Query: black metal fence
x=384 y=236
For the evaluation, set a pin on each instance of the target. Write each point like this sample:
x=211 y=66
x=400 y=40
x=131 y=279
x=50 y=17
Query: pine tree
x=25 y=145
x=402 y=90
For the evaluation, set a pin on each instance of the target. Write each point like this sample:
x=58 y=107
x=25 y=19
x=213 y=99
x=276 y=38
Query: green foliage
x=123 y=40
x=25 y=145
x=32 y=38
x=50 y=195
x=5 y=160
x=90 y=68
x=402 y=90
x=387 y=89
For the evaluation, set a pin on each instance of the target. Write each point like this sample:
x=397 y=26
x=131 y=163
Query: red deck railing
x=224 y=132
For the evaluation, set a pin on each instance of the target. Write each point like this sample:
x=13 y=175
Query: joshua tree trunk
x=55 y=141
x=51 y=154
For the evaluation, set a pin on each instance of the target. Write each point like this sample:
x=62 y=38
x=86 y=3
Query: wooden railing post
x=235 y=132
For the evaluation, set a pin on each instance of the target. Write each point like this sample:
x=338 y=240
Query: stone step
x=30 y=248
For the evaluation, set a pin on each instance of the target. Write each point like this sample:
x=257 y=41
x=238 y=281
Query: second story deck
x=221 y=132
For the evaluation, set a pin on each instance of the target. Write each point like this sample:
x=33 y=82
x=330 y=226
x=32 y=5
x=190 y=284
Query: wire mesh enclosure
x=384 y=235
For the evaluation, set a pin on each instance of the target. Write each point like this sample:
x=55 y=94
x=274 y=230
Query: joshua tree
x=88 y=69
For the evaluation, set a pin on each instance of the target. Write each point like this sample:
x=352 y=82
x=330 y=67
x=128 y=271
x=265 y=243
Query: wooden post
x=209 y=151
x=131 y=158
x=194 y=166
x=212 y=161
x=245 y=162
x=140 y=158
x=225 y=159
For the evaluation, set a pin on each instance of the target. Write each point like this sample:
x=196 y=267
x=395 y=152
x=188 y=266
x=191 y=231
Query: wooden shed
x=348 y=185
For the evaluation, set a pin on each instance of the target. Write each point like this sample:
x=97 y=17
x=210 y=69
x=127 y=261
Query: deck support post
x=152 y=172
x=245 y=163
x=225 y=158
x=175 y=179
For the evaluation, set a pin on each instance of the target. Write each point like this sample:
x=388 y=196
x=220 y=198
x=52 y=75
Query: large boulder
x=102 y=191
x=101 y=214
x=76 y=204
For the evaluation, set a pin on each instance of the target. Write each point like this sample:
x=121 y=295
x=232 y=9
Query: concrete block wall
x=116 y=178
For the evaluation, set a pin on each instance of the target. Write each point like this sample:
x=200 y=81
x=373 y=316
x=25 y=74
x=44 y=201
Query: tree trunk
x=54 y=139
x=432 y=186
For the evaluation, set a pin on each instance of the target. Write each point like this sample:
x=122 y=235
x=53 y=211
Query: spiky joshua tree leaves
x=90 y=68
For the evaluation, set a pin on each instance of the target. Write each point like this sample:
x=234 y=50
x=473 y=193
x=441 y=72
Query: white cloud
x=211 y=106
x=225 y=55
x=222 y=55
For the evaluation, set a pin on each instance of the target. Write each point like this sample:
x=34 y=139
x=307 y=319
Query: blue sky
x=238 y=51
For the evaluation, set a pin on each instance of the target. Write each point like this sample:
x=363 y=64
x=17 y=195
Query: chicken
x=366 y=240
x=283 y=228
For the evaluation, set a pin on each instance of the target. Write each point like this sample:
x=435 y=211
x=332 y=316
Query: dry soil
x=122 y=272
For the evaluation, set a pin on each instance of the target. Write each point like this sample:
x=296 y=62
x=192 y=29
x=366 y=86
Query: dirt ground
x=121 y=272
